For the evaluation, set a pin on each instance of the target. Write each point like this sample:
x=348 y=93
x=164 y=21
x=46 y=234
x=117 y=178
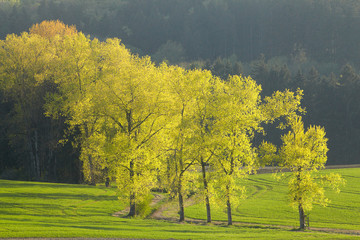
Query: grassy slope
x=59 y=210
x=267 y=203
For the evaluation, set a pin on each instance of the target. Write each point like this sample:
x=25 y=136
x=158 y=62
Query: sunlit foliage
x=304 y=153
x=147 y=126
x=49 y=29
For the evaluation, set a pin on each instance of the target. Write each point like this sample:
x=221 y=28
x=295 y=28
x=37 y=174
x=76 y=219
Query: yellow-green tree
x=238 y=117
x=238 y=114
x=182 y=87
x=303 y=152
x=130 y=98
x=206 y=95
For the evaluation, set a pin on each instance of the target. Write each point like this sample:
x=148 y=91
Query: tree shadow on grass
x=27 y=184
x=61 y=196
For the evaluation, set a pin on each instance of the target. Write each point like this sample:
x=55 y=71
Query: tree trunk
x=36 y=154
x=49 y=175
x=301 y=210
x=301 y=217
x=181 y=198
x=90 y=160
x=228 y=204
x=32 y=165
x=181 y=202
x=80 y=170
x=55 y=169
x=207 y=201
x=107 y=182
x=132 y=212
x=107 y=178
x=91 y=168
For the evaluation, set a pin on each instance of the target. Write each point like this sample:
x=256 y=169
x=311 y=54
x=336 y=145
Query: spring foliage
x=146 y=125
x=304 y=153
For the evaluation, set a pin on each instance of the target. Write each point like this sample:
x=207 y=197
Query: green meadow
x=267 y=203
x=29 y=209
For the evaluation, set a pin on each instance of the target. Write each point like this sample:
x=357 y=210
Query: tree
x=206 y=91
x=129 y=98
x=182 y=156
x=304 y=154
x=239 y=116
x=49 y=29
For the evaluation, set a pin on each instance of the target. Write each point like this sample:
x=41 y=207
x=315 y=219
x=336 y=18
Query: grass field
x=30 y=209
x=267 y=203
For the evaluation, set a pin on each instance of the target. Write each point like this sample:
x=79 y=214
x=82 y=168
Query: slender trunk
x=107 y=182
x=181 y=171
x=132 y=211
x=107 y=178
x=32 y=165
x=181 y=202
x=91 y=167
x=301 y=217
x=55 y=169
x=49 y=175
x=168 y=173
x=90 y=160
x=228 y=204
x=80 y=170
x=301 y=209
x=207 y=201
x=36 y=155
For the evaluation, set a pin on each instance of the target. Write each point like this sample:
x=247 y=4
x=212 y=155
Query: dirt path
x=154 y=202
x=121 y=213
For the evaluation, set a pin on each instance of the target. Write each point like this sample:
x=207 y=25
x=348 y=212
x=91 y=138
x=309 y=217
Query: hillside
x=29 y=209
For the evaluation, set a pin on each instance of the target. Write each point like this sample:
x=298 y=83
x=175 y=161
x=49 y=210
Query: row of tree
x=149 y=126
x=308 y=44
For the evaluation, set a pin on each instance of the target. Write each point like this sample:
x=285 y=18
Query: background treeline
x=282 y=44
x=326 y=29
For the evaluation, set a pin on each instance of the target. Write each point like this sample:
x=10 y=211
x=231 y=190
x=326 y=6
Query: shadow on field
x=56 y=196
x=19 y=184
